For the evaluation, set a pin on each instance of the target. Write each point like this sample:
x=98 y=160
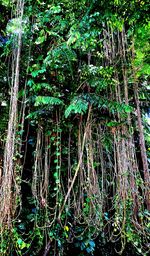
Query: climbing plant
x=74 y=174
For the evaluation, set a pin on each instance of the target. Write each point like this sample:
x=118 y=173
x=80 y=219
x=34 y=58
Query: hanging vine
x=72 y=177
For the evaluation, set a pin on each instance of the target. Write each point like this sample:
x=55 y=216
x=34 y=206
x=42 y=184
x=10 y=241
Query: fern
x=77 y=106
x=46 y=100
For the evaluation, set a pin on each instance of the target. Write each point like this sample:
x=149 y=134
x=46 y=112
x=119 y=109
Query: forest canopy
x=74 y=129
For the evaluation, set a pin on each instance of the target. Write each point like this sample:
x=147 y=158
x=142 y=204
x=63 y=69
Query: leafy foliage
x=77 y=106
x=77 y=145
x=46 y=100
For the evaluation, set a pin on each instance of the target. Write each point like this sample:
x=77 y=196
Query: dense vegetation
x=74 y=140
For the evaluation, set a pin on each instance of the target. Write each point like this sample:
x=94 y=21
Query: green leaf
x=40 y=40
x=35 y=73
x=128 y=109
x=55 y=9
x=73 y=38
x=46 y=100
x=112 y=124
x=23 y=245
x=56 y=175
x=19 y=241
x=77 y=106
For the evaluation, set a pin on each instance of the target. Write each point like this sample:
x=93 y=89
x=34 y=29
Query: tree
x=71 y=168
